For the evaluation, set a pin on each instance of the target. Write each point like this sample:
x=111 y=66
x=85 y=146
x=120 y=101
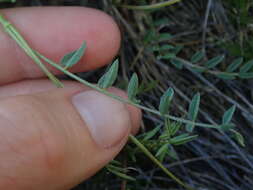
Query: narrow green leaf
x=238 y=137
x=198 y=69
x=166 y=56
x=165 y=101
x=178 y=64
x=182 y=139
x=132 y=88
x=161 y=21
x=121 y=175
x=152 y=6
x=73 y=57
x=214 y=61
x=116 y=168
x=110 y=76
x=151 y=133
x=193 y=111
x=226 y=127
x=246 y=75
x=197 y=57
x=162 y=149
x=226 y=76
x=228 y=115
x=235 y=65
x=173 y=128
x=166 y=47
x=246 y=67
x=164 y=36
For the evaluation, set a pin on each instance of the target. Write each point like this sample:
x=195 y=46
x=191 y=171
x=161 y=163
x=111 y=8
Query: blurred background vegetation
x=150 y=39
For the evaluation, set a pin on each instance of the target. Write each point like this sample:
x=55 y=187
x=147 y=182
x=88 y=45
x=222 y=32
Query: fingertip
x=55 y=31
x=135 y=113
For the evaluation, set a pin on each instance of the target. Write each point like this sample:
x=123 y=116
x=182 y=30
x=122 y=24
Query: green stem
x=24 y=45
x=157 y=162
x=152 y=6
x=127 y=101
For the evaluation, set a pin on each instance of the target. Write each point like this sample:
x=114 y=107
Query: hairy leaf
x=246 y=75
x=73 y=57
x=164 y=36
x=162 y=150
x=246 y=67
x=235 y=65
x=173 y=128
x=151 y=133
x=167 y=56
x=193 y=111
x=238 y=137
x=110 y=76
x=226 y=127
x=226 y=76
x=182 y=139
x=228 y=115
x=165 y=101
x=197 y=57
x=133 y=87
x=214 y=61
x=121 y=175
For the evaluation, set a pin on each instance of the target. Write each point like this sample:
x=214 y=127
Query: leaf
x=228 y=115
x=174 y=127
x=193 y=111
x=132 y=88
x=73 y=57
x=161 y=21
x=164 y=36
x=151 y=6
x=182 y=139
x=226 y=127
x=226 y=76
x=163 y=149
x=234 y=65
x=238 y=137
x=214 y=61
x=198 y=69
x=166 y=47
x=178 y=64
x=165 y=101
x=121 y=175
x=197 y=57
x=246 y=75
x=246 y=67
x=167 y=56
x=110 y=76
x=151 y=133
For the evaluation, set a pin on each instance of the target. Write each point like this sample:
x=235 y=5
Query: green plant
x=172 y=124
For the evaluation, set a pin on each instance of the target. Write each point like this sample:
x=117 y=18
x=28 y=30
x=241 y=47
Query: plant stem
x=152 y=6
x=23 y=44
x=127 y=101
x=157 y=162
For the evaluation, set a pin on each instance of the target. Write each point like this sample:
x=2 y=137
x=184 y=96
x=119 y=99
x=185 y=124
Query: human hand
x=54 y=138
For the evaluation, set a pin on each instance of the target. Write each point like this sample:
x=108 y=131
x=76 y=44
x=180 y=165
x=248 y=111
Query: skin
x=44 y=143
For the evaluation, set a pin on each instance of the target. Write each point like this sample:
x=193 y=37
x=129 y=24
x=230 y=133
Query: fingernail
x=107 y=119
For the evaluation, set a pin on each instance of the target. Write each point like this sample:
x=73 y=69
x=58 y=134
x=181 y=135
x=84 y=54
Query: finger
x=55 y=31
x=56 y=139
x=28 y=87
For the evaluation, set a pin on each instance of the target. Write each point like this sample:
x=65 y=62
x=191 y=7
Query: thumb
x=54 y=140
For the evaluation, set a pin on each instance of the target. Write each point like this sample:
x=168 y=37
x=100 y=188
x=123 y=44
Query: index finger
x=55 y=31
